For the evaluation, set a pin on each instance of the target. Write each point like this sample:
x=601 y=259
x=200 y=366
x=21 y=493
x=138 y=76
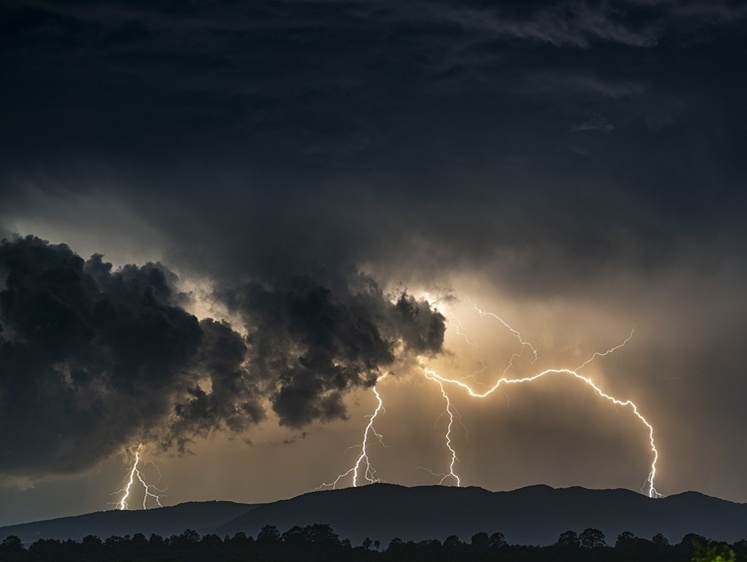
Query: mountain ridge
x=530 y=515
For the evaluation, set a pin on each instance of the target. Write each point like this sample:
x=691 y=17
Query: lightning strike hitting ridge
x=135 y=473
x=447 y=437
x=363 y=461
x=362 y=469
x=462 y=332
x=649 y=483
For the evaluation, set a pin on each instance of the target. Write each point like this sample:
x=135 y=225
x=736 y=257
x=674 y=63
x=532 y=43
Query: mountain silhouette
x=164 y=521
x=531 y=515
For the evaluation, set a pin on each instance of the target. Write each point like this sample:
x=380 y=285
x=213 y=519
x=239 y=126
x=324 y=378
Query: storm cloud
x=93 y=358
x=521 y=137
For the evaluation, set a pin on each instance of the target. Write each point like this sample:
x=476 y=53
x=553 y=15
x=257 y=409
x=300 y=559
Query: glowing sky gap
x=447 y=437
x=122 y=504
x=363 y=461
x=649 y=483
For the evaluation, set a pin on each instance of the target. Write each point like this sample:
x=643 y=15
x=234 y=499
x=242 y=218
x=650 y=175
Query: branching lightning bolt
x=135 y=473
x=459 y=328
x=604 y=354
x=649 y=483
x=515 y=332
x=362 y=464
x=447 y=437
x=362 y=470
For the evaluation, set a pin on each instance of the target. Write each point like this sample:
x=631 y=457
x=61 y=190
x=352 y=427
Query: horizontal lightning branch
x=649 y=484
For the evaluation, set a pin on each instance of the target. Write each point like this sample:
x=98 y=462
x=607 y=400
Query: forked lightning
x=135 y=473
x=364 y=461
x=369 y=474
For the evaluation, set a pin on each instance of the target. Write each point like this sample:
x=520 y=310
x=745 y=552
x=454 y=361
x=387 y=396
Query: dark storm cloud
x=317 y=345
x=92 y=358
x=529 y=135
x=88 y=356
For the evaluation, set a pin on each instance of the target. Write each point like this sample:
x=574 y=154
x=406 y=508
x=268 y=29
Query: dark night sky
x=280 y=189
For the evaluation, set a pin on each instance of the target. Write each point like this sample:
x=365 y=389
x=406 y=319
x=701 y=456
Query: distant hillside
x=532 y=515
x=166 y=521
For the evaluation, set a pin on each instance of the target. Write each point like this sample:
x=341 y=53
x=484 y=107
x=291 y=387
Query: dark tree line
x=319 y=542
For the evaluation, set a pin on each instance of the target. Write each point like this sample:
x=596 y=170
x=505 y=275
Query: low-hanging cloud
x=92 y=358
x=315 y=345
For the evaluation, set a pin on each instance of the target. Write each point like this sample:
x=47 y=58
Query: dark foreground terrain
x=389 y=522
x=319 y=542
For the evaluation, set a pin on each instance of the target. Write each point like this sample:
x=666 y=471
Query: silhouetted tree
x=452 y=542
x=114 y=540
x=497 y=540
x=740 y=548
x=395 y=543
x=239 y=537
x=211 y=541
x=691 y=539
x=268 y=535
x=480 y=541
x=569 y=538
x=319 y=542
x=186 y=540
x=294 y=536
x=625 y=539
x=91 y=541
x=321 y=534
x=592 y=538
x=11 y=549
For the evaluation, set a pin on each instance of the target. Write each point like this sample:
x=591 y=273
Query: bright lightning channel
x=649 y=483
x=135 y=473
x=455 y=323
x=515 y=332
x=447 y=436
x=362 y=466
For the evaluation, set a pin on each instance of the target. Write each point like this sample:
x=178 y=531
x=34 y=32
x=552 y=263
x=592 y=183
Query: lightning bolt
x=459 y=328
x=363 y=472
x=135 y=473
x=362 y=464
x=648 y=484
x=515 y=332
x=447 y=436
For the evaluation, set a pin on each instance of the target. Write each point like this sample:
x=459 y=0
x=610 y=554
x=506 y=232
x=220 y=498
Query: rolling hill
x=531 y=515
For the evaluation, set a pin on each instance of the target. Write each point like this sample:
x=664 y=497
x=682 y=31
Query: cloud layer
x=93 y=358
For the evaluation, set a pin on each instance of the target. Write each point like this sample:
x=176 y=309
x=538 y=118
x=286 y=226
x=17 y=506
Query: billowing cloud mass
x=92 y=358
x=315 y=345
